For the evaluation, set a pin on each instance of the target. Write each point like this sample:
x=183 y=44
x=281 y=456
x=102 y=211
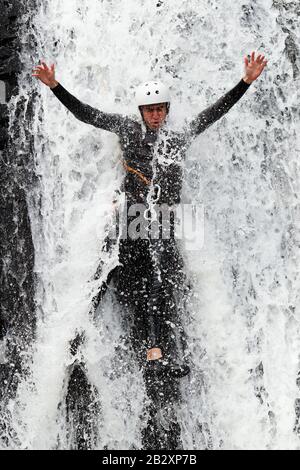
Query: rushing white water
x=243 y=322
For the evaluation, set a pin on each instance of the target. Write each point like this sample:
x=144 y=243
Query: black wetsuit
x=151 y=297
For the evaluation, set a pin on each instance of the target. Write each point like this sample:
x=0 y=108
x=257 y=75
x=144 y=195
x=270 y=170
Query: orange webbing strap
x=136 y=172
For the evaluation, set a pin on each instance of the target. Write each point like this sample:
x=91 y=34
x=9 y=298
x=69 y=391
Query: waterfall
x=242 y=320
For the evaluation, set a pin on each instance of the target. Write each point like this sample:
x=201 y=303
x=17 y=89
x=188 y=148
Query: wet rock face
x=11 y=12
x=17 y=318
x=9 y=62
x=288 y=18
x=3 y=125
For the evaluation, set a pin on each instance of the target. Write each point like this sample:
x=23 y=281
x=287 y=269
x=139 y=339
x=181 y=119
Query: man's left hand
x=254 y=67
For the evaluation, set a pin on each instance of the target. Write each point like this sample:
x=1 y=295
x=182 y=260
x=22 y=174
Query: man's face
x=154 y=115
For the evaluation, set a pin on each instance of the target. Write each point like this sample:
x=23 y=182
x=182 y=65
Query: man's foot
x=154 y=354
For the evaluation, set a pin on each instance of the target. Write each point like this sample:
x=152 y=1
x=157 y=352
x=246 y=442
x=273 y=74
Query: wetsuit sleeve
x=86 y=113
x=210 y=115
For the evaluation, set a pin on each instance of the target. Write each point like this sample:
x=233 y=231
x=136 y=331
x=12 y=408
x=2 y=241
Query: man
x=152 y=270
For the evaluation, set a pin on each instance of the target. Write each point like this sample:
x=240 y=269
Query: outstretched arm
x=83 y=112
x=253 y=69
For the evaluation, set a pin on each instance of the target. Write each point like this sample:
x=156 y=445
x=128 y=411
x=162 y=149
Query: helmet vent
x=151 y=93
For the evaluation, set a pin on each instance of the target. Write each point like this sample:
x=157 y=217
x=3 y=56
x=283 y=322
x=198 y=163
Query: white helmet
x=152 y=93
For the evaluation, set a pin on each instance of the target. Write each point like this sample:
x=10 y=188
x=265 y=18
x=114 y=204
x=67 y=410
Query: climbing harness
x=137 y=173
x=153 y=196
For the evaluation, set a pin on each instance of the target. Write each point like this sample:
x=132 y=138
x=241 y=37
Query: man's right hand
x=45 y=74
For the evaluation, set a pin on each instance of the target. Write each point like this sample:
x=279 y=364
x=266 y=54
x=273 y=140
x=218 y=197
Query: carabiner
x=150 y=199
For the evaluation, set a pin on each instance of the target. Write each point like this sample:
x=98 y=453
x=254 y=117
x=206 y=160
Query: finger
x=258 y=58
x=262 y=58
x=52 y=67
x=45 y=65
x=246 y=60
x=253 y=56
x=261 y=68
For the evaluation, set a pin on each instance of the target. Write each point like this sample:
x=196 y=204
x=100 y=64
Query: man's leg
x=113 y=275
x=162 y=318
x=154 y=317
x=109 y=245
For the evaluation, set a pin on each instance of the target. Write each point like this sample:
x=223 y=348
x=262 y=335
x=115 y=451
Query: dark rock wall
x=17 y=317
